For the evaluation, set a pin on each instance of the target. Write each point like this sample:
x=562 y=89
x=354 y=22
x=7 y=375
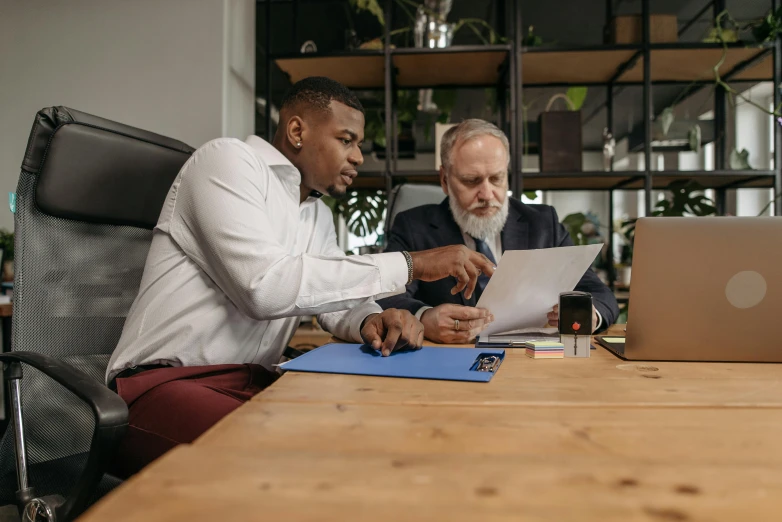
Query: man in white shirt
x=242 y=248
x=479 y=214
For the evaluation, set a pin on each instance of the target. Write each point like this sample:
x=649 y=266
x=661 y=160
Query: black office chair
x=90 y=192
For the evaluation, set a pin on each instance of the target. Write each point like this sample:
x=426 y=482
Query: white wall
x=753 y=134
x=167 y=66
x=574 y=201
x=238 y=68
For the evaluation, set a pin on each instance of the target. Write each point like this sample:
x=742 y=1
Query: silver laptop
x=706 y=289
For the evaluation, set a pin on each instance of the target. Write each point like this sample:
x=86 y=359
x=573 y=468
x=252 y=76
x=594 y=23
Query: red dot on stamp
x=576 y=326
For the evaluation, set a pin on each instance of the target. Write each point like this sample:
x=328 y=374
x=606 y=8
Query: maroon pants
x=171 y=406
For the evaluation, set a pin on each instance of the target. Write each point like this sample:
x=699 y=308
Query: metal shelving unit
x=511 y=67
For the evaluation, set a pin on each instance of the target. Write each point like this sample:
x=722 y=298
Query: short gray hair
x=464 y=132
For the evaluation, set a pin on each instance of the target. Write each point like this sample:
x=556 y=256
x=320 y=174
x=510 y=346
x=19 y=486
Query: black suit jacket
x=528 y=227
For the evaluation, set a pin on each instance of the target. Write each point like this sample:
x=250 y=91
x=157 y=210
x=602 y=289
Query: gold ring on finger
x=456 y=324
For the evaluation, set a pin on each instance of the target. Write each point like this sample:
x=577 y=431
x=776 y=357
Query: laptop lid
x=706 y=289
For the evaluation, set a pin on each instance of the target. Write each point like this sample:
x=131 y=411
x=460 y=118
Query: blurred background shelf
x=617 y=180
x=664 y=64
x=482 y=66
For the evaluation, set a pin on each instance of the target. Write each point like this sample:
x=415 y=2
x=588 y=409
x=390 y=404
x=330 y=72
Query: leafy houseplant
x=686 y=199
x=7 y=246
x=584 y=229
x=363 y=210
x=560 y=144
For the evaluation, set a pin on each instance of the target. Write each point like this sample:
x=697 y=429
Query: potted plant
x=560 y=133
x=584 y=229
x=7 y=246
x=686 y=199
x=363 y=211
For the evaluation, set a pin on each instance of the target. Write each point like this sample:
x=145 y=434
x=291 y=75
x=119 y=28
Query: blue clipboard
x=450 y=364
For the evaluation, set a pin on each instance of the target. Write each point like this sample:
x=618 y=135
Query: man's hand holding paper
x=527 y=284
x=479 y=215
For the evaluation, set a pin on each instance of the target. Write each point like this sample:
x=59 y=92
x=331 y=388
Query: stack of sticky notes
x=545 y=349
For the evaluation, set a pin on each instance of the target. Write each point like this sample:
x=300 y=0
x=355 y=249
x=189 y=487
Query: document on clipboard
x=437 y=363
x=527 y=284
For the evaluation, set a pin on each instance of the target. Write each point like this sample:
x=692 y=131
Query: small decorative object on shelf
x=309 y=47
x=609 y=148
x=430 y=28
x=351 y=40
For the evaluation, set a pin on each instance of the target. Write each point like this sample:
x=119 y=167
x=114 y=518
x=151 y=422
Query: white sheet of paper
x=527 y=284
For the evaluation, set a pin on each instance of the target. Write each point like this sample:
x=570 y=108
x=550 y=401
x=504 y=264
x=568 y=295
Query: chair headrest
x=96 y=170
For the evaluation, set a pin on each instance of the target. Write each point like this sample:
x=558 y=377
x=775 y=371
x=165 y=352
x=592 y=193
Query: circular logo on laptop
x=746 y=289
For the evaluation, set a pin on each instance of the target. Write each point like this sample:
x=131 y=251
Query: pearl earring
x=298 y=144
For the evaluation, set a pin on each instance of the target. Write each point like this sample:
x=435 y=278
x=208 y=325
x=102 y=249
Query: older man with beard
x=478 y=213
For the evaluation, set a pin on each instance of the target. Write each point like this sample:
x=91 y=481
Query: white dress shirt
x=495 y=246
x=236 y=258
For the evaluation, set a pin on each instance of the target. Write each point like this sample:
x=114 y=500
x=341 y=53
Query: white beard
x=477 y=226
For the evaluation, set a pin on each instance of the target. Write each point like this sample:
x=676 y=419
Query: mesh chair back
x=407 y=196
x=90 y=192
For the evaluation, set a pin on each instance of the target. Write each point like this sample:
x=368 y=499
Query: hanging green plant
x=727 y=30
x=770 y=28
x=369 y=5
x=577 y=96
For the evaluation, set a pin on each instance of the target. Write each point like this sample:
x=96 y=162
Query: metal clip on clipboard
x=487 y=363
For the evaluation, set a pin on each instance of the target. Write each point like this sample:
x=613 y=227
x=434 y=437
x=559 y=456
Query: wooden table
x=596 y=439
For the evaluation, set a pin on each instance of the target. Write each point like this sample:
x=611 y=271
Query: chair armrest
x=111 y=419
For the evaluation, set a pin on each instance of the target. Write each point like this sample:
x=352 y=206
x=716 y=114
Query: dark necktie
x=482 y=248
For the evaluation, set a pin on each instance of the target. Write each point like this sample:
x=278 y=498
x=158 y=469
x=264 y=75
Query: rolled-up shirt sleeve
x=346 y=324
x=220 y=220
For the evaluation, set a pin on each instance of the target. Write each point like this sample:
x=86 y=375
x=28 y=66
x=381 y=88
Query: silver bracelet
x=409 y=260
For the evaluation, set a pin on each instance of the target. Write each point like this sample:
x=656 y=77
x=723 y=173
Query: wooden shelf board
x=763 y=70
x=618 y=180
x=663 y=179
x=690 y=64
x=576 y=180
x=354 y=71
x=575 y=67
x=435 y=69
x=482 y=68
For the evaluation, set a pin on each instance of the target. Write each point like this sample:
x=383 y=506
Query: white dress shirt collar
x=285 y=170
x=268 y=152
